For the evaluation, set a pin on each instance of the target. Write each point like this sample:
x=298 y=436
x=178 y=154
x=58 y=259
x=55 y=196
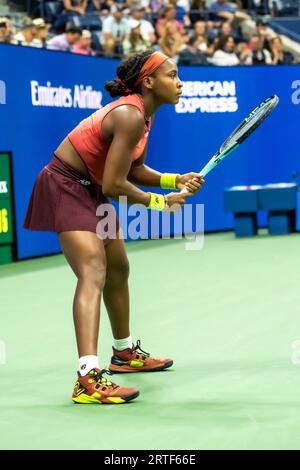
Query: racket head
x=241 y=132
x=250 y=123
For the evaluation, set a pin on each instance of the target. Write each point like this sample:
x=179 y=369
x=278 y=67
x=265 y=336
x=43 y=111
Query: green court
x=228 y=315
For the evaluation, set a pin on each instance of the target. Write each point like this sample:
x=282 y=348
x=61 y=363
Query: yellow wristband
x=157 y=202
x=168 y=181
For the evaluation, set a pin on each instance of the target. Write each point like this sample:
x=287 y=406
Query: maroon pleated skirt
x=63 y=199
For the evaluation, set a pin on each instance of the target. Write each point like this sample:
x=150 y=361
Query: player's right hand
x=175 y=201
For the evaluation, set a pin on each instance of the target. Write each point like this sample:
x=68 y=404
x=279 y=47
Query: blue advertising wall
x=34 y=118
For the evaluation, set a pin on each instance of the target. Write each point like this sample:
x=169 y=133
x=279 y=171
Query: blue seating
x=288 y=26
x=90 y=21
x=280 y=202
x=243 y=201
x=285 y=7
x=52 y=10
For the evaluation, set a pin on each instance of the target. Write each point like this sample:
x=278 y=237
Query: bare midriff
x=66 y=152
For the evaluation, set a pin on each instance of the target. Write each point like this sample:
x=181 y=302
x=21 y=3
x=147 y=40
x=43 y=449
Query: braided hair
x=127 y=73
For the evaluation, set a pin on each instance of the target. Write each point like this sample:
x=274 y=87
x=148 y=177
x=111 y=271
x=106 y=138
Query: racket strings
x=255 y=118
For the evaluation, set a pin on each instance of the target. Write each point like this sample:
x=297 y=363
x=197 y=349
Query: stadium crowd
x=191 y=32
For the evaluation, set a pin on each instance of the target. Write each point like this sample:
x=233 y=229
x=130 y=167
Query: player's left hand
x=192 y=181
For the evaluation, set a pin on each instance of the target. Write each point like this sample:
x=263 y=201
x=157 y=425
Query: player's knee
x=118 y=274
x=97 y=277
x=95 y=273
x=122 y=270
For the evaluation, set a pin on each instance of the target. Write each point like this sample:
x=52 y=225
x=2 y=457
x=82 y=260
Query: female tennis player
x=104 y=157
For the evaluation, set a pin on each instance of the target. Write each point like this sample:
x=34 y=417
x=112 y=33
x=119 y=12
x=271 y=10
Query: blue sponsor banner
x=44 y=94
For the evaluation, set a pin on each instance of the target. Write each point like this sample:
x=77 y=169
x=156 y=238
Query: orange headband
x=151 y=64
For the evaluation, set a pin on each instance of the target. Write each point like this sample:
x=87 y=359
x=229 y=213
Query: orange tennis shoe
x=94 y=388
x=136 y=360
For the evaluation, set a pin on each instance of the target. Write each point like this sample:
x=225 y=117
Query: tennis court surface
x=229 y=317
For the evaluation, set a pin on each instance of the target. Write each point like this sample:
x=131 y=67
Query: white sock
x=87 y=363
x=123 y=343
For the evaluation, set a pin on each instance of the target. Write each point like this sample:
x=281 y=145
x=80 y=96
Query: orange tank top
x=89 y=142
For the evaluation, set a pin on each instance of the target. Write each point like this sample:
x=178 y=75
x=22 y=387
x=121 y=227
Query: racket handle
x=184 y=191
x=203 y=172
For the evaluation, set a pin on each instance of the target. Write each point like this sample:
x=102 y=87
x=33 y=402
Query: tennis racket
x=240 y=133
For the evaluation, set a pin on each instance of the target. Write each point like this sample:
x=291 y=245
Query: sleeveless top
x=91 y=145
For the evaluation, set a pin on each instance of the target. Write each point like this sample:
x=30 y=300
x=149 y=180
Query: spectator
x=224 y=10
x=65 y=41
x=221 y=9
x=225 y=52
x=41 y=32
x=146 y=28
x=279 y=56
x=6 y=32
x=264 y=33
x=206 y=29
x=75 y=6
x=134 y=42
x=156 y=5
x=114 y=30
x=26 y=35
x=167 y=16
x=210 y=27
x=198 y=11
x=255 y=54
x=83 y=46
x=201 y=43
x=71 y=9
x=101 y=6
x=144 y=4
x=200 y=28
x=227 y=30
x=193 y=54
x=172 y=42
x=181 y=14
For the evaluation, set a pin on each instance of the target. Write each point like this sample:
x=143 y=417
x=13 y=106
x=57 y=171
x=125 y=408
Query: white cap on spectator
x=26 y=22
x=86 y=34
x=40 y=23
